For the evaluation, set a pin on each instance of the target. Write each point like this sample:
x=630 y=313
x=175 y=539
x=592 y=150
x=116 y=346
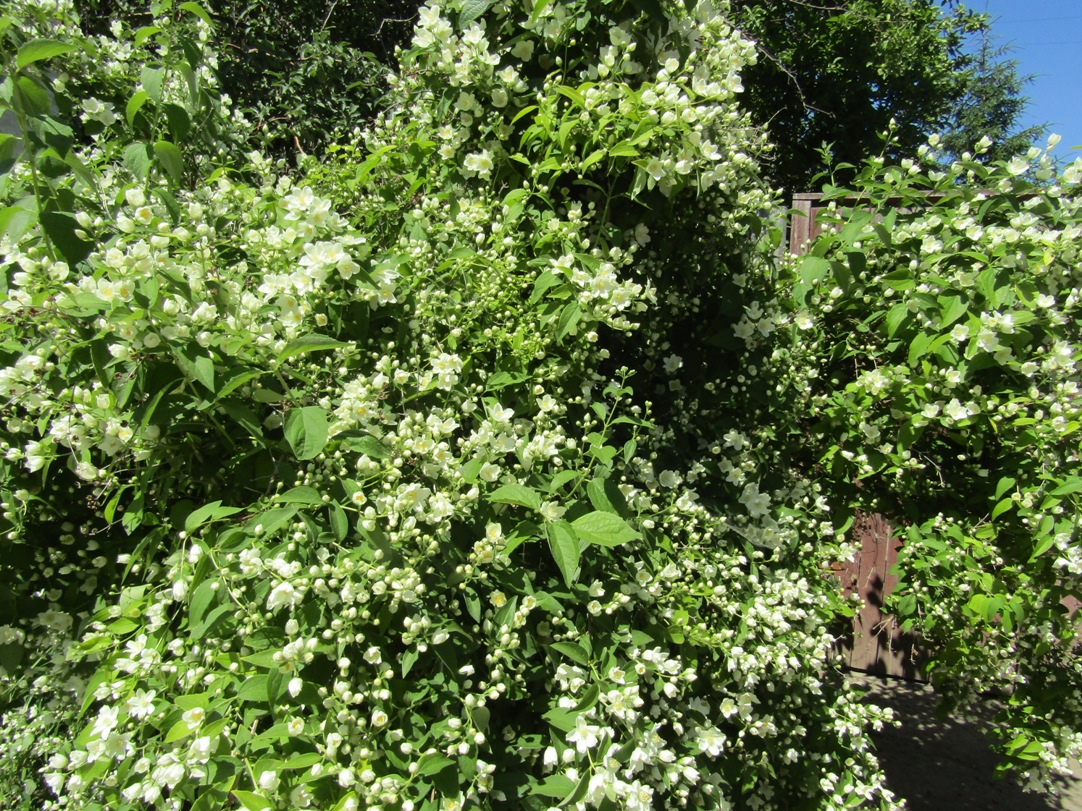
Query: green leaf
x=39 y=49
x=16 y=221
x=253 y=688
x=920 y=346
x=301 y=495
x=572 y=94
x=306 y=431
x=503 y=379
x=951 y=308
x=525 y=111
x=61 y=227
x=243 y=416
x=812 y=270
x=200 y=601
x=538 y=9
x=895 y=318
x=545 y=281
x=368 y=445
x=339 y=522
x=208 y=512
x=408 y=660
x=471 y=10
x=177 y=731
x=516 y=494
x=1045 y=544
x=198 y=11
x=171 y=160
x=36 y=100
x=605 y=495
x=593 y=158
x=603 y=529
x=555 y=785
x=312 y=342
x=250 y=801
x=624 y=150
x=151 y=79
x=565 y=549
x=569 y=317
x=1071 y=485
x=562 y=478
x=203 y=367
x=145 y=33
x=304 y=761
x=137 y=157
x=179 y=122
x=576 y=653
x=1004 y=484
x=275 y=518
x=433 y=764
x=135 y=104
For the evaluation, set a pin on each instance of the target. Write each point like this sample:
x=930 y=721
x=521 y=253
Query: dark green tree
x=839 y=72
x=990 y=105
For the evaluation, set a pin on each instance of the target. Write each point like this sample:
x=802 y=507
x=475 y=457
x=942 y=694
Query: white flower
x=106 y=720
x=479 y=163
x=1017 y=166
x=744 y=703
x=551 y=511
x=202 y=748
x=584 y=736
x=728 y=707
x=669 y=478
x=141 y=704
x=655 y=168
x=523 y=50
x=757 y=503
x=955 y=410
x=268 y=782
x=282 y=595
x=194 y=717
x=710 y=740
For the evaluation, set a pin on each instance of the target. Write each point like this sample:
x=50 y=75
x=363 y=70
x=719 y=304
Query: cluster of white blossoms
x=159 y=293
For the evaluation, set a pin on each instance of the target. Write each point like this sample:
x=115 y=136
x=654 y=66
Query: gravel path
x=947 y=764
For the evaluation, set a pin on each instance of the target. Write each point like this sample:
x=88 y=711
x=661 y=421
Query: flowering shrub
x=322 y=509
x=935 y=340
x=461 y=470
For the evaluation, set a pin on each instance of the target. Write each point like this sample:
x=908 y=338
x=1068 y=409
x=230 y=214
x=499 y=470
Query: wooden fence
x=877 y=643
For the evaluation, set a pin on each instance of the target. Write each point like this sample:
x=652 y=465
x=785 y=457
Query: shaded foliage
x=304 y=71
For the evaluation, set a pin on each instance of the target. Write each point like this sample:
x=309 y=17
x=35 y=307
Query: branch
x=792 y=77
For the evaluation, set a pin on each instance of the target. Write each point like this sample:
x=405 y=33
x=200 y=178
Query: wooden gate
x=877 y=643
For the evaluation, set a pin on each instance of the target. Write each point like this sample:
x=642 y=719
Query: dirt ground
x=947 y=764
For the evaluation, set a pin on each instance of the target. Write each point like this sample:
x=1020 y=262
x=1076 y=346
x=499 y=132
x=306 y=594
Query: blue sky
x=1046 y=39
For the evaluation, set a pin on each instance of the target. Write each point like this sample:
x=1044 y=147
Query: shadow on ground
x=948 y=764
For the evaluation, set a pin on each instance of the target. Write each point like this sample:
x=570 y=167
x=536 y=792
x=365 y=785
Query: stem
x=28 y=147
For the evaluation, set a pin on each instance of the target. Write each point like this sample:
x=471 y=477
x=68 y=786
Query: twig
x=328 y=17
